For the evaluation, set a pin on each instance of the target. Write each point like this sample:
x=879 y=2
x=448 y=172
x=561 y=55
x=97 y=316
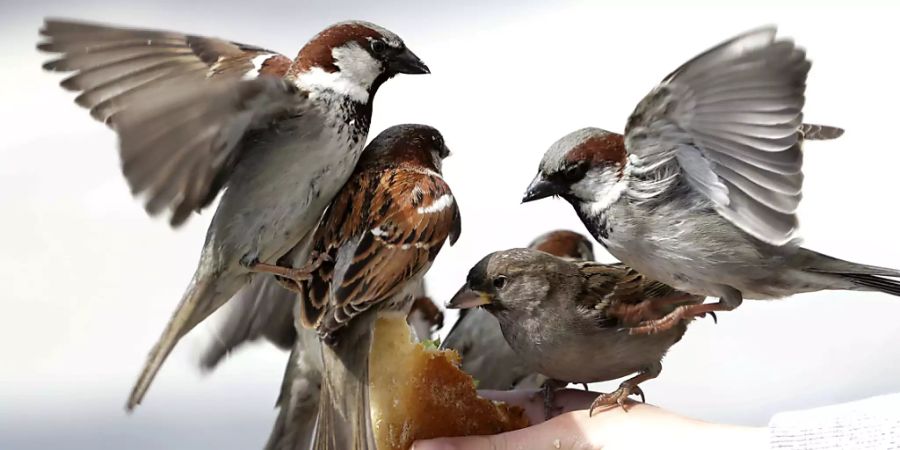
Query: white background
x=89 y=280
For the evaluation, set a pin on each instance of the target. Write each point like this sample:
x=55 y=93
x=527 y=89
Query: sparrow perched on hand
x=701 y=192
x=566 y=319
x=477 y=337
x=378 y=238
x=195 y=115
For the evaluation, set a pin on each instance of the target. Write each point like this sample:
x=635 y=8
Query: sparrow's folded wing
x=181 y=104
x=379 y=237
x=731 y=120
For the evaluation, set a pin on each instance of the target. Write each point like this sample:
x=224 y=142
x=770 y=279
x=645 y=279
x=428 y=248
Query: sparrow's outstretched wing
x=730 y=119
x=181 y=104
x=382 y=230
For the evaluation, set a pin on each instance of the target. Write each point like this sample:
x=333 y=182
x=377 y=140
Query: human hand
x=642 y=426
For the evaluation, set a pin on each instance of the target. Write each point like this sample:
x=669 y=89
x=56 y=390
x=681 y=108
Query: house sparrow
x=477 y=337
x=378 y=238
x=702 y=190
x=566 y=319
x=196 y=114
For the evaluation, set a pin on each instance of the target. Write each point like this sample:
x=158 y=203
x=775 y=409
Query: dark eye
x=499 y=282
x=575 y=172
x=378 y=46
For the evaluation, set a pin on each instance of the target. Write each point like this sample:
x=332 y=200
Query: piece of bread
x=417 y=392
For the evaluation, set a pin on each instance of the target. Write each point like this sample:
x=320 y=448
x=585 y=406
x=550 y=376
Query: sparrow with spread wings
x=701 y=192
x=196 y=115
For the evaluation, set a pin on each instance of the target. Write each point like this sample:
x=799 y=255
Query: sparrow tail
x=812 y=132
x=298 y=402
x=860 y=276
x=204 y=295
x=344 y=420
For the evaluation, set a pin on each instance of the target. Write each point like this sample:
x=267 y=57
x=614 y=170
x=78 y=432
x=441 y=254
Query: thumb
x=563 y=432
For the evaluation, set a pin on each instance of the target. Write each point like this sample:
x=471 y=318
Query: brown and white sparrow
x=702 y=191
x=568 y=320
x=477 y=336
x=374 y=244
x=195 y=115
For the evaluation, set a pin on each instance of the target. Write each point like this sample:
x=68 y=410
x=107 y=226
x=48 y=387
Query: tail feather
x=861 y=276
x=204 y=295
x=874 y=282
x=344 y=420
x=812 y=132
x=298 y=401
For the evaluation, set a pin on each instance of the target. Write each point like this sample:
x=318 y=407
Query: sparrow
x=375 y=242
x=196 y=115
x=567 y=320
x=477 y=337
x=702 y=190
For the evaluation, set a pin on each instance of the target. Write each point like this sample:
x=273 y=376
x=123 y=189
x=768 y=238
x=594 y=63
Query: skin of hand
x=642 y=426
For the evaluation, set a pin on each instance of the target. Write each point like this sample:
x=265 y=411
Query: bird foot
x=617 y=397
x=296 y=275
x=548 y=393
x=686 y=312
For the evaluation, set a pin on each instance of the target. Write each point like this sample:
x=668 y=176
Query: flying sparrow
x=195 y=115
x=567 y=320
x=702 y=190
x=477 y=337
x=375 y=243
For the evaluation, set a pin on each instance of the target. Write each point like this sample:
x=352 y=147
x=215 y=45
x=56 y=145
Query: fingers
x=567 y=431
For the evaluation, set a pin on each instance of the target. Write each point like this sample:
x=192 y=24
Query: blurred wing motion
x=181 y=104
x=261 y=309
x=731 y=120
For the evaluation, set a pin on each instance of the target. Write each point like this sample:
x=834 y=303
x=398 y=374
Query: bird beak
x=466 y=298
x=407 y=62
x=540 y=188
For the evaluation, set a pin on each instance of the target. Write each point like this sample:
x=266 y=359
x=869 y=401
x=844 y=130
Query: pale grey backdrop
x=89 y=281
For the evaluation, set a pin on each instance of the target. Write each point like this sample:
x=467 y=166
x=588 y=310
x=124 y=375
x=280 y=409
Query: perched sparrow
x=702 y=191
x=196 y=114
x=566 y=319
x=477 y=337
x=376 y=241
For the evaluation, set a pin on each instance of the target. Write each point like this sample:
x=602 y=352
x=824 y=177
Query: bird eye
x=378 y=46
x=500 y=282
x=575 y=172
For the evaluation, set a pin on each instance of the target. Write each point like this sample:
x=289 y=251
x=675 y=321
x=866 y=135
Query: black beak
x=407 y=62
x=466 y=298
x=541 y=188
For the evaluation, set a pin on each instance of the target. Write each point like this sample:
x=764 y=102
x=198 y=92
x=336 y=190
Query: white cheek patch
x=442 y=203
x=600 y=188
x=356 y=75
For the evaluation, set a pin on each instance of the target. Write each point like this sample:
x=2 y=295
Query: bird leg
x=295 y=274
x=731 y=300
x=547 y=392
x=627 y=388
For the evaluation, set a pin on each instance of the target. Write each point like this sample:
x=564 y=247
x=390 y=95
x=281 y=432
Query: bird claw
x=617 y=397
x=547 y=392
x=296 y=275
